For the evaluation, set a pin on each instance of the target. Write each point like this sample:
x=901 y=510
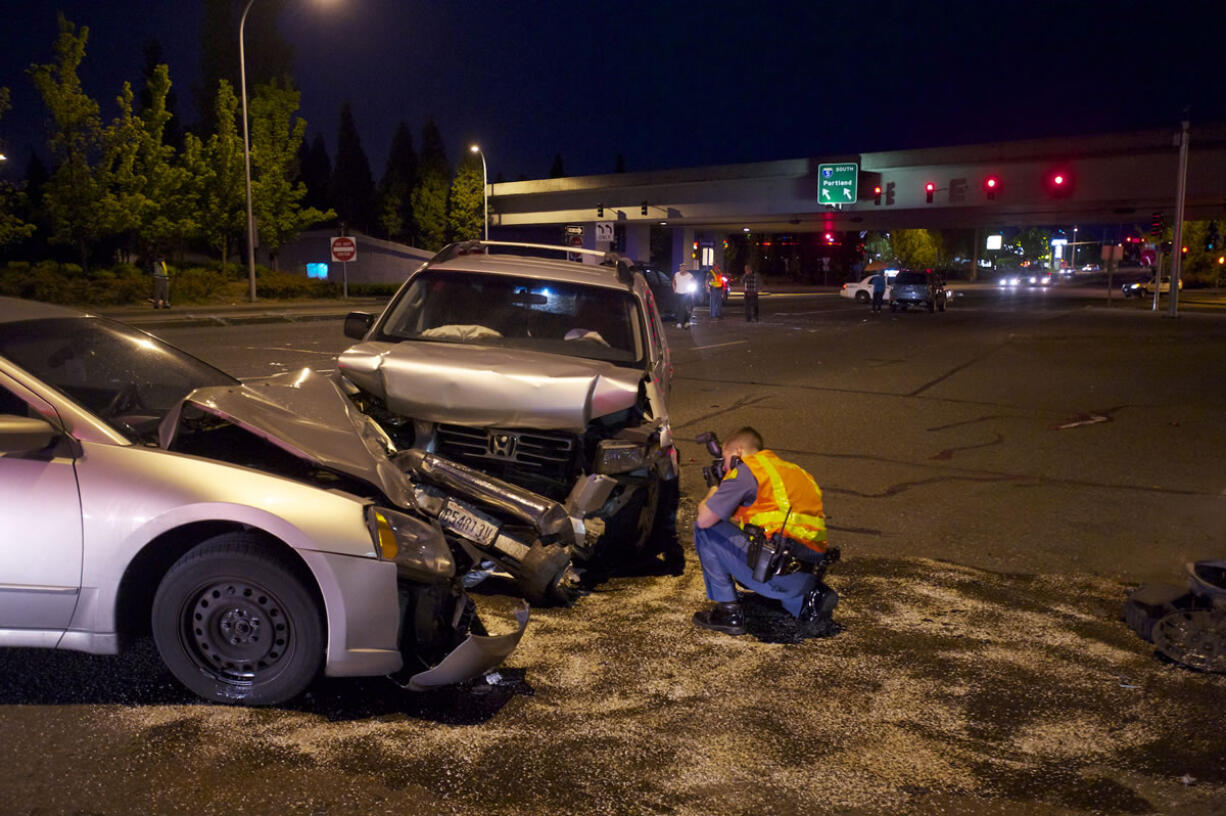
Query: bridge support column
x=638 y=241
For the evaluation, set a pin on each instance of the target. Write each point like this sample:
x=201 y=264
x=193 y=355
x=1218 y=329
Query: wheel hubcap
x=238 y=630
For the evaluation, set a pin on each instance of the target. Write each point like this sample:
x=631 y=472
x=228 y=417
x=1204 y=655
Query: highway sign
x=838 y=183
x=344 y=249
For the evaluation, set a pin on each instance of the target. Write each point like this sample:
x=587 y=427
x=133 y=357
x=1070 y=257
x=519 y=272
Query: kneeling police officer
x=776 y=548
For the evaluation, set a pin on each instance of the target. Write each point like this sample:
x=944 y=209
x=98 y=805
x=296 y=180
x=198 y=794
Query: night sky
x=671 y=84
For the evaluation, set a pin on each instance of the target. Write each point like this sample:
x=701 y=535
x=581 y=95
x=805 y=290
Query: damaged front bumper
x=475 y=656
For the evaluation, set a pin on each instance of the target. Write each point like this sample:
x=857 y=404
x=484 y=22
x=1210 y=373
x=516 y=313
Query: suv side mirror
x=357 y=324
x=25 y=434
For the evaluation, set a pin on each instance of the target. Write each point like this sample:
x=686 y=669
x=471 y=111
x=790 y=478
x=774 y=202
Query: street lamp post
x=242 y=83
x=485 y=192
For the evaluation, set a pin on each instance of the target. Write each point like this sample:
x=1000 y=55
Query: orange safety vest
x=785 y=491
x=717 y=280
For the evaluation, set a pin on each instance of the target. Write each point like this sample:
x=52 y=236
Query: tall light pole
x=242 y=83
x=485 y=191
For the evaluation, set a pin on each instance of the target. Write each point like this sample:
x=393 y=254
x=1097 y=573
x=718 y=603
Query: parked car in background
x=1146 y=288
x=861 y=291
x=661 y=284
x=259 y=531
x=913 y=287
x=550 y=374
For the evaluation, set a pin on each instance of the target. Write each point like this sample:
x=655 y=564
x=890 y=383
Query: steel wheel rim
x=237 y=630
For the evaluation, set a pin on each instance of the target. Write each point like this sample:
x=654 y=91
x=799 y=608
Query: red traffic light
x=929 y=188
x=877 y=190
x=1060 y=183
x=991 y=182
x=991 y=185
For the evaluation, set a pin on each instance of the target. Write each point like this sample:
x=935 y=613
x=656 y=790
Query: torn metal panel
x=488 y=387
x=306 y=415
x=472 y=658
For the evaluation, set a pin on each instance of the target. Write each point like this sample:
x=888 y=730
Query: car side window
x=10 y=403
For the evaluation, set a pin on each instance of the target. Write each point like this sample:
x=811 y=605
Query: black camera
x=714 y=473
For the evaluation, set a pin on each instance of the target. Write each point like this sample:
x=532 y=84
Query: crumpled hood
x=489 y=387
x=307 y=415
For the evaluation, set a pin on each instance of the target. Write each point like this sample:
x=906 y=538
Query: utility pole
x=1177 y=246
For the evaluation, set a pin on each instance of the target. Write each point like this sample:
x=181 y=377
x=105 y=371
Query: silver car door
x=40 y=533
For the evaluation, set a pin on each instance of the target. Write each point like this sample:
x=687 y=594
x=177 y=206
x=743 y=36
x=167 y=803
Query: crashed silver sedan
x=260 y=532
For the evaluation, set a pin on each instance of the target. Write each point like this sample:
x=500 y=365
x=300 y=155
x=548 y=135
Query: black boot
x=814 y=618
x=728 y=618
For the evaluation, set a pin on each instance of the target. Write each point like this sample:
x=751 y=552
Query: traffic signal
x=1060 y=183
x=889 y=193
x=1155 y=225
x=929 y=189
x=643 y=209
x=600 y=211
x=877 y=194
x=693 y=250
x=1211 y=237
x=991 y=185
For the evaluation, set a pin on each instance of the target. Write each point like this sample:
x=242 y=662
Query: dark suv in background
x=918 y=288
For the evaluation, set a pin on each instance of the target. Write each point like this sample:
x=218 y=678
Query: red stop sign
x=344 y=249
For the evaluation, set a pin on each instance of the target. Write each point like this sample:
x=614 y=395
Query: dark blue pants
x=717 y=300
x=722 y=549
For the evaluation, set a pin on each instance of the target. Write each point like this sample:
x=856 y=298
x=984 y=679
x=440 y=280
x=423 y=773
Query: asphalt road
x=997 y=476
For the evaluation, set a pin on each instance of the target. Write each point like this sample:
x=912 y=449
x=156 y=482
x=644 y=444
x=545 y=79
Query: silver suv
x=547 y=373
x=916 y=288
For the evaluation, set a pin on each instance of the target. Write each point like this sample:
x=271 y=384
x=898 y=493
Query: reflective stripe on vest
x=787 y=494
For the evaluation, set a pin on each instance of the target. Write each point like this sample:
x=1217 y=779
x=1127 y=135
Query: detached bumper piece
x=475 y=656
x=1186 y=625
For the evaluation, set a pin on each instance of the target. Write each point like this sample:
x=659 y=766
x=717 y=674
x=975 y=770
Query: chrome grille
x=543 y=453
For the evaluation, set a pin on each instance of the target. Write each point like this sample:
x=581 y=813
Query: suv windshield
x=125 y=377
x=514 y=312
x=910 y=279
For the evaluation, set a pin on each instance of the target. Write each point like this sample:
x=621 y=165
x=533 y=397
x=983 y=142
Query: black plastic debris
x=1187 y=625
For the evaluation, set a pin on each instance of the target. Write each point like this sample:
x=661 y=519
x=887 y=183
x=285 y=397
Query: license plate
x=468 y=523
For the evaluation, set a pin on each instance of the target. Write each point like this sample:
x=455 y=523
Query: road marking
x=717 y=345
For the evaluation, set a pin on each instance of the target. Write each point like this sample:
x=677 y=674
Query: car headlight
x=417 y=547
x=615 y=456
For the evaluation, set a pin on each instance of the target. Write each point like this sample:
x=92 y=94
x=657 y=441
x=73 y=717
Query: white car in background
x=862 y=291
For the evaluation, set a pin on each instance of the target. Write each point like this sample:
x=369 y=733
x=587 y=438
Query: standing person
x=684 y=285
x=161 y=283
x=760 y=489
x=752 y=282
x=715 y=289
x=878 y=282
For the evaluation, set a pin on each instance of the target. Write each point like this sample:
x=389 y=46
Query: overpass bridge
x=1120 y=178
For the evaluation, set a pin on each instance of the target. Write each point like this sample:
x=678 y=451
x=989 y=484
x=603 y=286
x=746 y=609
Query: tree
x=1035 y=243
x=269 y=57
x=12 y=200
x=466 y=208
x=172 y=133
x=147 y=194
x=216 y=170
x=395 y=197
x=430 y=195
x=275 y=135
x=556 y=170
x=73 y=196
x=916 y=247
x=878 y=247
x=315 y=171
x=352 y=191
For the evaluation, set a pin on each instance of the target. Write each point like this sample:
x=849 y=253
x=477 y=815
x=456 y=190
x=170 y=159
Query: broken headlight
x=418 y=549
x=615 y=456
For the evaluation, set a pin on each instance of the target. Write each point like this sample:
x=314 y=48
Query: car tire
x=236 y=624
x=861 y=297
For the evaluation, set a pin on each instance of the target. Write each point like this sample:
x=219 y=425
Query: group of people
x=685 y=285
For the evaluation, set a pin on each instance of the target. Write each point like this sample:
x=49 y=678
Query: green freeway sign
x=837 y=183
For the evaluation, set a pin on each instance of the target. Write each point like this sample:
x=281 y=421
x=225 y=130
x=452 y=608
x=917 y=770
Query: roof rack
x=605 y=257
x=471 y=247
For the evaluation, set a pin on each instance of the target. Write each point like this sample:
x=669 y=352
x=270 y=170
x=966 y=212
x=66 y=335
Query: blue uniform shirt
x=738 y=489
